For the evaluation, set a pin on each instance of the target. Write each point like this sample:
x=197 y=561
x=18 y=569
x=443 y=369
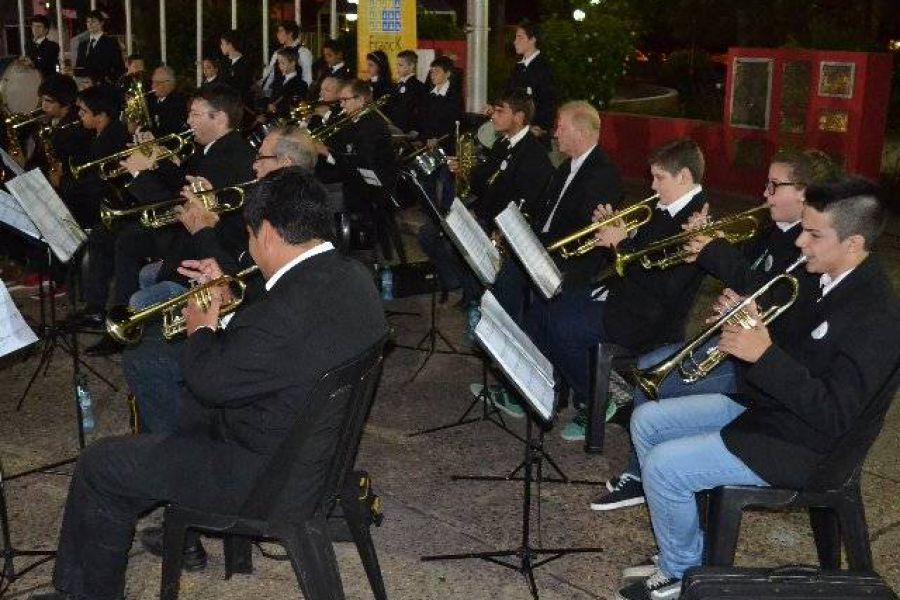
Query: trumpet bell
x=121 y=327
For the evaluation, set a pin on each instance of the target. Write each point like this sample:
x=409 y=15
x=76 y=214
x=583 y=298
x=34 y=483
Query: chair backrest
x=844 y=462
x=310 y=465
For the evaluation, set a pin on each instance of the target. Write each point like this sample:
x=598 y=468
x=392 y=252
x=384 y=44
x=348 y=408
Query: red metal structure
x=774 y=98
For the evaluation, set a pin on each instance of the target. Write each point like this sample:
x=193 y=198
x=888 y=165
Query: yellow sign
x=388 y=25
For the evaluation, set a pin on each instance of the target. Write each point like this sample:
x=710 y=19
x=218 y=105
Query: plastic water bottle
x=86 y=404
x=387 y=284
x=473 y=315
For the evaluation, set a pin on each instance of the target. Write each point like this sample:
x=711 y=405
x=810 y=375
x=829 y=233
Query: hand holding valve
x=610 y=235
x=746 y=337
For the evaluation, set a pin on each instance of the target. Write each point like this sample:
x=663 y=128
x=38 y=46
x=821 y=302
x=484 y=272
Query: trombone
x=173 y=145
x=693 y=369
x=324 y=133
x=127 y=325
x=586 y=245
x=164 y=213
x=733 y=229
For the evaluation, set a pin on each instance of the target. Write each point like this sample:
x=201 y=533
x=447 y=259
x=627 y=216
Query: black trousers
x=134 y=245
x=118 y=479
x=101 y=245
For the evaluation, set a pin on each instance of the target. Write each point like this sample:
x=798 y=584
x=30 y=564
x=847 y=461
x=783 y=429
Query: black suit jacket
x=45 y=55
x=597 y=181
x=238 y=75
x=365 y=144
x=439 y=117
x=257 y=374
x=229 y=161
x=522 y=175
x=647 y=308
x=84 y=196
x=168 y=116
x=813 y=395
x=536 y=80
x=286 y=95
x=406 y=104
x=104 y=62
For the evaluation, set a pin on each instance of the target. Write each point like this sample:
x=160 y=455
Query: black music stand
x=526 y=557
x=428 y=342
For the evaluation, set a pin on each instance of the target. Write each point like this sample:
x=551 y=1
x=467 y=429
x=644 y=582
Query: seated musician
x=742 y=270
x=643 y=309
x=517 y=169
x=98 y=109
x=223 y=158
x=565 y=204
x=57 y=94
x=363 y=143
x=800 y=396
x=287 y=33
x=289 y=89
x=152 y=367
x=378 y=70
x=407 y=95
x=441 y=110
x=167 y=106
x=247 y=384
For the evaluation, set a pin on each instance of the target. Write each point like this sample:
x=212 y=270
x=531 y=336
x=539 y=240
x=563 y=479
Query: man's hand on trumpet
x=726 y=301
x=747 y=341
x=610 y=235
x=138 y=161
x=193 y=214
x=201 y=272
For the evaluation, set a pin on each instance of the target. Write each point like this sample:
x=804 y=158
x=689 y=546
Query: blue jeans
x=722 y=380
x=152 y=292
x=152 y=369
x=681 y=452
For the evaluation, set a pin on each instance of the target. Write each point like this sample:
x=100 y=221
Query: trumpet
x=328 y=131
x=163 y=213
x=693 y=369
x=173 y=145
x=136 y=110
x=733 y=229
x=127 y=325
x=633 y=222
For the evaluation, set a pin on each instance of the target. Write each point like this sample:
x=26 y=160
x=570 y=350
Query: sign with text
x=388 y=25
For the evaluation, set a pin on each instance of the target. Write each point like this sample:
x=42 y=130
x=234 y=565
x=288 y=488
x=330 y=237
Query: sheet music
x=56 y=224
x=14 y=331
x=518 y=357
x=13 y=215
x=369 y=177
x=543 y=271
x=11 y=164
x=474 y=244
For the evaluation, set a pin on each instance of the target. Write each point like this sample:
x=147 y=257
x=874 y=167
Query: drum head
x=486 y=134
x=19 y=86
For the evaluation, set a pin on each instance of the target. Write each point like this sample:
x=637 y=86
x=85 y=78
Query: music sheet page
x=56 y=224
x=543 y=271
x=14 y=331
x=13 y=215
x=518 y=357
x=471 y=240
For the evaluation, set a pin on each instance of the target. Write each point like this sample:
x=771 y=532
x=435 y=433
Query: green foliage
x=588 y=57
x=431 y=26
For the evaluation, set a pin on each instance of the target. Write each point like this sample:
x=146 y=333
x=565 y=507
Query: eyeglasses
x=344 y=98
x=259 y=157
x=772 y=186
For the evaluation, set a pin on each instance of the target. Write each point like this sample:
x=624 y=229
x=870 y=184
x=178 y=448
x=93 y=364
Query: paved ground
x=426 y=511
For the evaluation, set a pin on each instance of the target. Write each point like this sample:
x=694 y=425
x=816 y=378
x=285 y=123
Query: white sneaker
x=642 y=571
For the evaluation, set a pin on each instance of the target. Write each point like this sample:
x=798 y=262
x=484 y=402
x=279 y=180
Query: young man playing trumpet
x=803 y=397
x=743 y=270
x=644 y=308
x=247 y=384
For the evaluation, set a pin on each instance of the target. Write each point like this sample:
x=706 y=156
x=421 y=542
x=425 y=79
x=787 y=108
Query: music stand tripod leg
x=8 y=553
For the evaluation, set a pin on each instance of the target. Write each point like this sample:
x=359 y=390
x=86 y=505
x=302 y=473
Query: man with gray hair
x=168 y=107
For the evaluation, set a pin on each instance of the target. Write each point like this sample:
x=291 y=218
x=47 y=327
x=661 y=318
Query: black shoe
x=107 y=346
x=194 y=554
x=89 y=319
x=625 y=490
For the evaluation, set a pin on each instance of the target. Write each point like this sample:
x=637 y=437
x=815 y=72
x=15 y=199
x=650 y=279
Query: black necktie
x=91 y=45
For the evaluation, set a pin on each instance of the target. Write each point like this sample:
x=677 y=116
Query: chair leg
x=723 y=527
x=855 y=533
x=312 y=557
x=174 y=529
x=354 y=511
x=238 y=555
x=595 y=431
x=827 y=535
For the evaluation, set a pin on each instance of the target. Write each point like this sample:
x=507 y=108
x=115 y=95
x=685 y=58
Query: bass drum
x=19 y=88
x=487 y=134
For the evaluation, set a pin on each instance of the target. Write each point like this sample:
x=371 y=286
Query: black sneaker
x=626 y=491
x=663 y=587
x=642 y=571
x=194 y=558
